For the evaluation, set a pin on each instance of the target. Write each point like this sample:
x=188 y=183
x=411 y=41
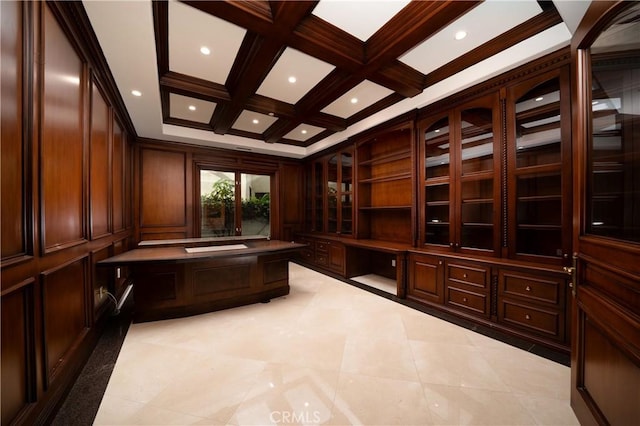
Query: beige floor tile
x=379 y=357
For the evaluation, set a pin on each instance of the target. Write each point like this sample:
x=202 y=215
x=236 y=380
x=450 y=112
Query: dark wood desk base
x=169 y=283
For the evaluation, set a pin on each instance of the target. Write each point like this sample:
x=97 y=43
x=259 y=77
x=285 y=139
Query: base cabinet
x=323 y=253
x=528 y=302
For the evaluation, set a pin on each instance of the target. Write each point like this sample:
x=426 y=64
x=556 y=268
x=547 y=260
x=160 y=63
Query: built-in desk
x=174 y=279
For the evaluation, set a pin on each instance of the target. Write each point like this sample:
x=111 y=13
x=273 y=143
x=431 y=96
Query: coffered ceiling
x=294 y=77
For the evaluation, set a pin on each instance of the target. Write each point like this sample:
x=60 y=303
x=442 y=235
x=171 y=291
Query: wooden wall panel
x=11 y=137
x=65 y=311
x=163 y=188
x=101 y=279
x=99 y=163
x=118 y=171
x=62 y=145
x=17 y=334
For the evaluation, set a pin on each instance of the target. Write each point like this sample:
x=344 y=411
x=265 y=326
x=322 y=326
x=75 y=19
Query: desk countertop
x=179 y=254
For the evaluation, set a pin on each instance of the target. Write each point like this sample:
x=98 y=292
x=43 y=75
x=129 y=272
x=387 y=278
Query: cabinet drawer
x=468 y=300
x=321 y=259
x=476 y=276
x=542 y=321
x=306 y=255
x=539 y=289
x=322 y=246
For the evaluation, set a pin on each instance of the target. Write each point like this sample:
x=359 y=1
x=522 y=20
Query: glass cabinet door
x=538 y=204
x=346 y=194
x=332 y=194
x=437 y=196
x=318 y=197
x=476 y=187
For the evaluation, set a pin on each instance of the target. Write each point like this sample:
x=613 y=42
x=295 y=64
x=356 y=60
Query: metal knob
x=528 y=288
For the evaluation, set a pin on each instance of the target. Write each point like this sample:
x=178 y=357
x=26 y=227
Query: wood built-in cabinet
x=385 y=185
x=460 y=174
x=468 y=207
x=329 y=208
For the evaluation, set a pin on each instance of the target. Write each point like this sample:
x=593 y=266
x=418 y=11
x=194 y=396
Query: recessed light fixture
x=460 y=35
x=437 y=130
x=205 y=50
x=136 y=93
x=354 y=100
x=192 y=107
x=303 y=131
x=292 y=79
x=539 y=98
x=255 y=121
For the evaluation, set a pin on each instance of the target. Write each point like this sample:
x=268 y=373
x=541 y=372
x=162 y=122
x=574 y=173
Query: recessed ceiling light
x=539 y=98
x=460 y=35
x=205 y=50
x=303 y=131
x=136 y=93
x=354 y=100
x=292 y=79
x=192 y=107
x=255 y=121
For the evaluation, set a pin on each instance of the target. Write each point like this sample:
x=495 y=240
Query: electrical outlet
x=393 y=263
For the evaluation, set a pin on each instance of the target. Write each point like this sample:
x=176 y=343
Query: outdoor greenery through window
x=234 y=203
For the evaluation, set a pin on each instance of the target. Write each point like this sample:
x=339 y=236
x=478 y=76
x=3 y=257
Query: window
x=234 y=203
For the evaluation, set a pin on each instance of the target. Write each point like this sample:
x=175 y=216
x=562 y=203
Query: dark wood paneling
x=118 y=177
x=99 y=163
x=426 y=278
x=65 y=312
x=220 y=279
x=292 y=189
x=163 y=188
x=17 y=335
x=609 y=371
x=62 y=146
x=101 y=280
x=13 y=141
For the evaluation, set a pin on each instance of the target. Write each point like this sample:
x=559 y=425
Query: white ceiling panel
x=360 y=18
x=189 y=31
x=364 y=95
x=255 y=122
x=307 y=71
x=303 y=132
x=190 y=108
x=483 y=23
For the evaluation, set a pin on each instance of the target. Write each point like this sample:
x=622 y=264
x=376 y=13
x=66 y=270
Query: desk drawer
x=322 y=246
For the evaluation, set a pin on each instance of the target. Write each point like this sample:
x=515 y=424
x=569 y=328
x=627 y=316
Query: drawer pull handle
x=528 y=288
x=527 y=316
x=464 y=299
x=440 y=262
x=464 y=275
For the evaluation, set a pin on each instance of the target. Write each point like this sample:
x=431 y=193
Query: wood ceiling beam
x=194 y=87
x=529 y=28
x=415 y=23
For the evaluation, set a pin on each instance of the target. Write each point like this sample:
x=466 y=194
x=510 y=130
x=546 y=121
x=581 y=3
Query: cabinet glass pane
x=318 y=197
x=538 y=134
x=477 y=214
x=477 y=140
x=346 y=162
x=613 y=180
x=347 y=206
x=437 y=214
x=256 y=194
x=437 y=149
x=539 y=214
x=332 y=194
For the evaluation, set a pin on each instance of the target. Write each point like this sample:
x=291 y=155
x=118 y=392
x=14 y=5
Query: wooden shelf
x=535 y=198
x=385 y=208
x=387 y=178
x=540 y=227
x=401 y=155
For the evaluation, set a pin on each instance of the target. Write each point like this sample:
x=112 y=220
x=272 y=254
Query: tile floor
x=328 y=353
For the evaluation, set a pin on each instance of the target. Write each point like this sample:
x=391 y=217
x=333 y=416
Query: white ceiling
x=126 y=34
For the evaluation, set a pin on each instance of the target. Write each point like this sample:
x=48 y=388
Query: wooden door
x=605 y=361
